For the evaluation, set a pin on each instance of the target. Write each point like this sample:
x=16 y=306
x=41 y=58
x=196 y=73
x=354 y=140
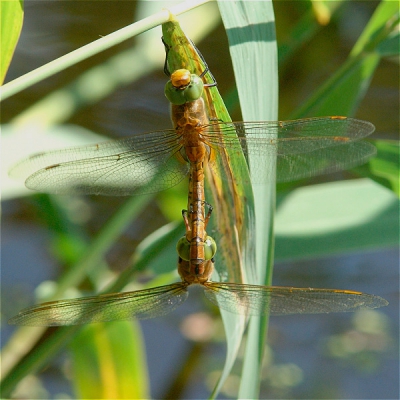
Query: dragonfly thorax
x=189 y=120
x=189 y=116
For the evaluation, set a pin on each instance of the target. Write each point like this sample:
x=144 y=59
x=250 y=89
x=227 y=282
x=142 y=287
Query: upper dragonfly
x=154 y=161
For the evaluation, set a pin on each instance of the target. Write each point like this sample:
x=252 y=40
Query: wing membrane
x=303 y=148
x=141 y=304
x=261 y=300
x=117 y=167
x=150 y=162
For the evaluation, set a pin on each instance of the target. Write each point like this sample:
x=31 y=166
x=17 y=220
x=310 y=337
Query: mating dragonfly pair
x=302 y=148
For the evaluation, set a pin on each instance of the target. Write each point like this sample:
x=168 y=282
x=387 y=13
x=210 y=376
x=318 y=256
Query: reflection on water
x=365 y=341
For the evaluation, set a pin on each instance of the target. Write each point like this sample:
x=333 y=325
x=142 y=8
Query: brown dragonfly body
x=189 y=120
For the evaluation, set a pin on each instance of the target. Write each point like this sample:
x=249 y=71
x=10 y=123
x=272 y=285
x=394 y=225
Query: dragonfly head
x=183 y=87
x=189 y=251
x=196 y=259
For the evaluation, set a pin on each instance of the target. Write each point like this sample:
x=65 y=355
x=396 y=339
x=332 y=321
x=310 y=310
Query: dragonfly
x=238 y=298
x=155 y=161
x=121 y=167
x=196 y=252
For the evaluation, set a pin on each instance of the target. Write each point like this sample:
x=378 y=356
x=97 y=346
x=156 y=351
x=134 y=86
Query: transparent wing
x=150 y=162
x=259 y=300
x=120 y=167
x=303 y=148
x=141 y=304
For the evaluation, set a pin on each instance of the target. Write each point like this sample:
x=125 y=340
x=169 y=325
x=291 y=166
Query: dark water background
x=326 y=356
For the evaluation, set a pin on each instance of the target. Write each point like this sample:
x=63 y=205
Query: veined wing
x=147 y=303
x=118 y=167
x=303 y=148
x=260 y=300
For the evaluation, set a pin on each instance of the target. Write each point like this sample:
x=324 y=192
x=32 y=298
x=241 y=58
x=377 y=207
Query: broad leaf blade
x=12 y=16
x=335 y=218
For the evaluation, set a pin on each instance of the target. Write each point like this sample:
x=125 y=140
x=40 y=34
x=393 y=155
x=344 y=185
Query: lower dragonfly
x=196 y=252
x=234 y=297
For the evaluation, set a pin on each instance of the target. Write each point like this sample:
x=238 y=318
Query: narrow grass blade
x=251 y=32
x=95 y=47
x=342 y=93
x=385 y=167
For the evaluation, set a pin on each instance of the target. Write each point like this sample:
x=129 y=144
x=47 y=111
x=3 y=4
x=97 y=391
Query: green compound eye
x=183 y=248
x=191 y=92
x=195 y=88
x=210 y=248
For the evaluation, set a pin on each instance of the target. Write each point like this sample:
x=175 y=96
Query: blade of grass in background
x=251 y=33
x=95 y=47
x=307 y=27
x=384 y=168
x=341 y=95
x=37 y=356
x=106 y=367
x=11 y=20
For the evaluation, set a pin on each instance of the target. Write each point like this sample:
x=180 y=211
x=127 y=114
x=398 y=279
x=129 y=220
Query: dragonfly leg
x=214 y=83
x=206 y=69
x=217 y=120
x=208 y=216
x=186 y=220
x=167 y=49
